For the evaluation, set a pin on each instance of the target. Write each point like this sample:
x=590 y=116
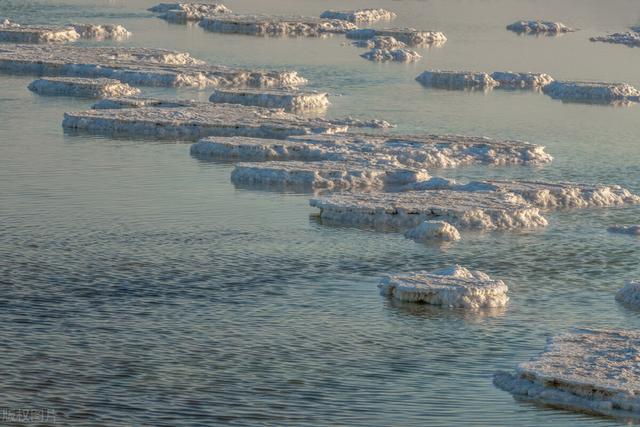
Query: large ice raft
x=183 y=12
x=591 y=92
x=512 y=80
x=17 y=33
x=453 y=287
x=410 y=36
x=586 y=370
x=359 y=15
x=290 y=100
x=135 y=66
x=82 y=87
x=264 y=25
x=456 y=80
x=539 y=27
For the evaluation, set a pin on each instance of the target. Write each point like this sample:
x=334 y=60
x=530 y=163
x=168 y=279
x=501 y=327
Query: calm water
x=140 y=288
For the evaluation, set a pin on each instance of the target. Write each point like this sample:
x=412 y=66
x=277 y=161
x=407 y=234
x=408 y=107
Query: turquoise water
x=141 y=288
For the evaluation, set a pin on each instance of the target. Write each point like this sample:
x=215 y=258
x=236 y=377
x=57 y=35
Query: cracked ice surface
x=588 y=91
x=379 y=42
x=136 y=66
x=290 y=100
x=538 y=27
x=511 y=80
x=453 y=287
x=456 y=80
x=433 y=230
x=632 y=230
x=463 y=209
x=629 y=294
x=397 y=55
x=81 y=87
x=410 y=36
x=585 y=370
x=182 y=12
x=196 y=121
x=359 y=15
x=629 y=38
x=264 y=25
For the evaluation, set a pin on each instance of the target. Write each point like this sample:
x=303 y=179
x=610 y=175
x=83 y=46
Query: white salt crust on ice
x=396 y=55
x=433 y=230
x=196 y=121
x=586 y=370
x=183 y=12
x=135 y=66
x=360 y=15
x=290 y=100
x=379 y=42
x=511 y=80
x=264 y=25
x=632 y=230
x=538 y=27
x=327 y=175
x=456 y=80
x=410 y=36
x=462 y=209
x=630 y=38
x=82 y=87
x=588 y=91
x=629 y=294
x=453 y=287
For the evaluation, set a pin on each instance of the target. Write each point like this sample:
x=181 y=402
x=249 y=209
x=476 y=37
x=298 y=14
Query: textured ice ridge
x=396 y=55
x=538 y=27
x=16 y=33
x=453 y=287
x=183 y=12
x=410 y=36
x=290 y=100
x=456 y=79
x=632 y=230
x=588 y=370
x=264 y=25
x=136 y=66
x=629 y=294
x=82 y=87
x=630 y=38
x=433 y=230
x=359 y=15
x=588 y=91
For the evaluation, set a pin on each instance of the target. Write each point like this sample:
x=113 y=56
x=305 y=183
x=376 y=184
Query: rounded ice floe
x=629 y=294
x=81 y=87
x=101 y=32
x=396 y=55
x=585 y=370
x=379 y=42
x=511 y=80
x=632 y=230
x=182 y=12
x=264 y=25
x=538 y=27
x=410 y=36
x=359 y=15
x=433 y=230
x=454 y=287
x=630 y=38
x=456 y=80
x=290 y=100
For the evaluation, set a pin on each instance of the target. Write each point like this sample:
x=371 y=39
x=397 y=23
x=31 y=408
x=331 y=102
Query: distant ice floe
x=379 y=42
x=453 y=287
x=82 y=87
x=409 y=36
x=592 y=370
x=265 y=25
x=290 y=100
x=511 y=80
x=16 y=33
x=360 y=15
x=396 y=55
x=433 y=230
x=456 y=80
x=632 y=230
x=591 y=92
x=629 y=38
x=539 y=27
x=630 y=295
x=183 y=12
x=136 y=66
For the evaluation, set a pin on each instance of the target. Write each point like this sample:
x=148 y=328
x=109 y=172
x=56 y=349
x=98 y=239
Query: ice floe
x=629 y=294
x=290 y=100
x=359 y=15
x=16 y=33
x=539 y=27
x=379 y=42
x=433 y=230
x=632 y=230
x=629 y=38
x=511 y=80
x=136 y=66
x=183 y=12
x=397 y=55
x=82 y=87
x=260 y=149
x=453 y=287
x=264 y=25
x=101 y=32
x=591 y=92
x=409 y=36
x=590 y=370
x=456 y=80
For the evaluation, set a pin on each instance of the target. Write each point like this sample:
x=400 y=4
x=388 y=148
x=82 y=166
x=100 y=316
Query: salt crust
x=290 y=100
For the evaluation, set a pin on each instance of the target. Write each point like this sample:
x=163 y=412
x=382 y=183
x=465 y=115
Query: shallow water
x=141 y=288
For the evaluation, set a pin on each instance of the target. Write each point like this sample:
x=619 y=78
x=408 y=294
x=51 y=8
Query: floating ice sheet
x=511 y=80
x=359 y=15
x=410 y=36
x=630 y=38
x=16 y=33
x=585 y=370
x=82 y=87
x=456 y=80
x=264 y=25
x=290 y=100
x=101 y=32
x=183 y=12
x=433 y=230
x=136 y=66
x=380 y=42
x=591 y=92
x=261 y=149
x=632 y=230
x=630 y=294
x=539 y=27
x=396 y=55
x=453 y=287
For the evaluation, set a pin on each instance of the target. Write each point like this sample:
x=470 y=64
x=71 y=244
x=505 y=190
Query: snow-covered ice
x=511 y=80
x=360 y=15
x=183 y=12
x=629 y=38
x=433 y=230
x=265 y=25
x=629 y=294
x=379 y=42
x=410 y=36
x=539 y=27
x=135 y=66
x=456 y=80
x=632 y=230
x=82 y=87
x=290 y=100
x=590 y=370
x=453 y=287
x=593 y=92
x=397 y=55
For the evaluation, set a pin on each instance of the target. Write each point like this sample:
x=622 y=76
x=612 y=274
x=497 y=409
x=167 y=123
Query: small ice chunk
x=593 y=370
x=290 y=100
x=380 y=42
x=397 y=55
x=410 y=36
x=629 y=294
x=511 y=80
x=591 y=92
x=433 y=230
x=81 y=87
x=359 y=15
x=456 y=80
x=630 y=38
x=183 y=12
x=101 y=32
x=264 y=25
x=632 y=230
x=453 y=287
x=539 y=27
